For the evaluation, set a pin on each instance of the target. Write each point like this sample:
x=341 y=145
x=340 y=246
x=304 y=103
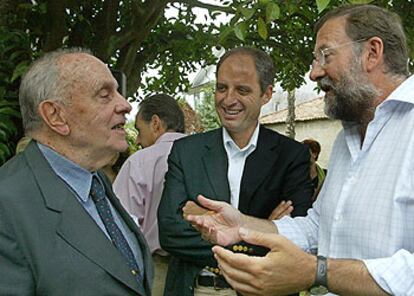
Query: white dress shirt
x=237 y=158
x=365 y=209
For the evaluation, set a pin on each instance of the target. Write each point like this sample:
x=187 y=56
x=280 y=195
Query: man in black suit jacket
x=53 y=240
x=244 y=164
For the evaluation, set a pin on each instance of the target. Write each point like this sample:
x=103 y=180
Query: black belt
x=217 y=282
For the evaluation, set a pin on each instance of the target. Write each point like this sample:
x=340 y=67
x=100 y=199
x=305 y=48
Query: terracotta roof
x=309 y=110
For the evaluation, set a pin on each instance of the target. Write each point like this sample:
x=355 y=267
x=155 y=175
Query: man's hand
x=284 y=270
x=191 y=208
x=285 y=208
x=218 y=221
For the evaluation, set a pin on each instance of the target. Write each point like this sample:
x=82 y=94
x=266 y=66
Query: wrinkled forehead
x=84 y=70
x=72 y=63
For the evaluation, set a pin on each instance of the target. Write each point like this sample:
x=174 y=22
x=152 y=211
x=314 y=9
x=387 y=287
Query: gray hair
x=265 y=67
x=43 y=81
x=366 y=21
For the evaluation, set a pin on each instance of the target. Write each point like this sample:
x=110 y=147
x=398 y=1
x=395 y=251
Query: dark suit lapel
x=76 y=227
x=258 y=166
x=216 y=164
x=81 y=232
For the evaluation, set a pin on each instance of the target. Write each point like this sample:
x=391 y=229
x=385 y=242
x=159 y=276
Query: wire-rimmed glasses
x=321 y=55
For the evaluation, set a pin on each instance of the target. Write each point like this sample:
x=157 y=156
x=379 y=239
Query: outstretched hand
x=284 y=270
x=217 y=221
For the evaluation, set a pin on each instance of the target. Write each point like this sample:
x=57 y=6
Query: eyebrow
x=323 y=47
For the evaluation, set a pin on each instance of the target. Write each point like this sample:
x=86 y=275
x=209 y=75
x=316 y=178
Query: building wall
x=322 y=130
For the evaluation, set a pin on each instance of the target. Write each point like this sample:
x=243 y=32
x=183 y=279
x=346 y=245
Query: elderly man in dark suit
x=62 y=230
x=244 y=164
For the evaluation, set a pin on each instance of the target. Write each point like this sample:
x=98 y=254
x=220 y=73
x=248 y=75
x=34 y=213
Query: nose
x=123 y=106
x=230 y=96
x=317 y=71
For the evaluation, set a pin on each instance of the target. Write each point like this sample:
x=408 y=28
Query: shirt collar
x=232 y=148
x=78 y=179
x=403 y=93
x=169 y=137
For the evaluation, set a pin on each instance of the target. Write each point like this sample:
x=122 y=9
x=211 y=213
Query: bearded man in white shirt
x=362 y=224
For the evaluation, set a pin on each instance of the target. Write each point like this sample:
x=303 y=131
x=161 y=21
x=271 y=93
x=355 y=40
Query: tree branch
x=105 y=27
x=56 y=24
x=209 y=7
x=142 y=25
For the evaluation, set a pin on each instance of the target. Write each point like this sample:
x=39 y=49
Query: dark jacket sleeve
x=297 y=183
x=176 y=235
x=15 y=275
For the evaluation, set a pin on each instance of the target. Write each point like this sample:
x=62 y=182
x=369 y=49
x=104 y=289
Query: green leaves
x=322 y=4
x=272 y=12
x=20 y=69
x=266 y=11
x=240 y=30
x=8 y=129
x=261 y=28
x=9 y=112
x=141 y=38
x=15 y=55
x=247 y=12
x=225 y=33
x=5 y=153
x=207 y=110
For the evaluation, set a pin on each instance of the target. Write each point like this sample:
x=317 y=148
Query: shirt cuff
x=395 y=274
x=287 y=227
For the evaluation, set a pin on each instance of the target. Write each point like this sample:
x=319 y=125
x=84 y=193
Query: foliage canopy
x=135 y=36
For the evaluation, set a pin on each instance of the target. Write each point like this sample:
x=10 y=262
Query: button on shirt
x=365 y=209
x=79 y=181
x=237 y=158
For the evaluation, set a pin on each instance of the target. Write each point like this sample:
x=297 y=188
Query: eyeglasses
x=321 y=55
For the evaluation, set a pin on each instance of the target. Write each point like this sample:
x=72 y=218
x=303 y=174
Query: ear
x=157 y=124
x=373 y=54
x=53 y=116
x=267 y=95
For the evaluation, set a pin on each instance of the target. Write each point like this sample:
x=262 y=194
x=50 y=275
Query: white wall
x=322 y=130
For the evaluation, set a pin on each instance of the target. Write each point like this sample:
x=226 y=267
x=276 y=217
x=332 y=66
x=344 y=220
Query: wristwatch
x=320 y=286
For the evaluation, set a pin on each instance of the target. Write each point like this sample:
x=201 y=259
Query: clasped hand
x=217 y=221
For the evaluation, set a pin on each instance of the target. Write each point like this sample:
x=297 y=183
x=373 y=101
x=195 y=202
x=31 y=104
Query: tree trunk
x=290 y=119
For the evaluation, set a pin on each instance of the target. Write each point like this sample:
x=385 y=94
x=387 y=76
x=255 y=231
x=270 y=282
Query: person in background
x=358 y=238
x=241 y=163
x=62 y=230
x=317 y=173
x=140 y=182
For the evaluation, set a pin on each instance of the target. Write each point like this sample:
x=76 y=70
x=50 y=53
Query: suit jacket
x=277 y=170
x=49 y=245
